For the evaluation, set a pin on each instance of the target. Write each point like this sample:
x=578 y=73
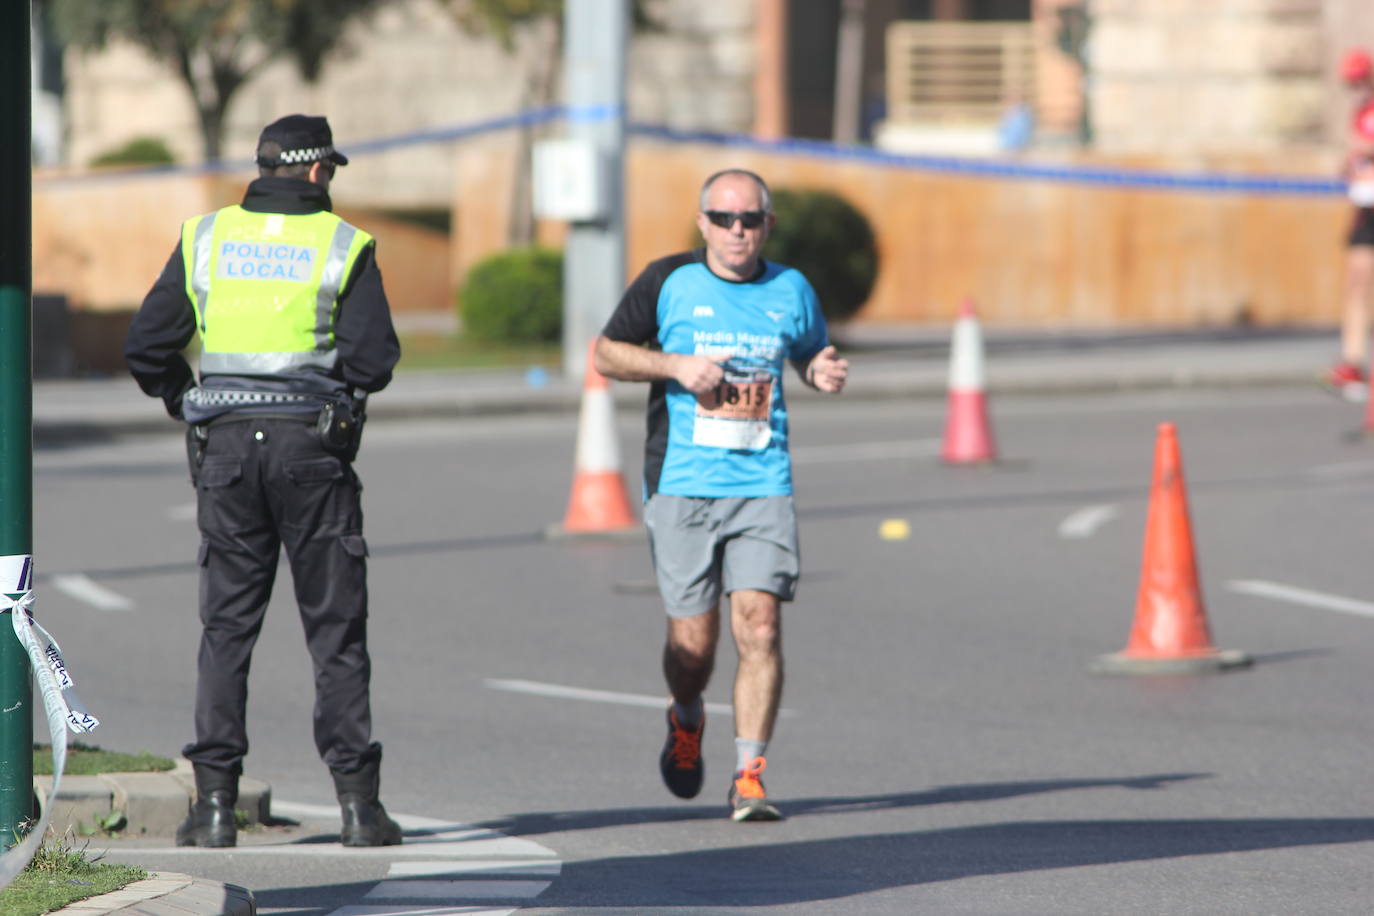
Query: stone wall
x=1179 y=76
x=697 y=71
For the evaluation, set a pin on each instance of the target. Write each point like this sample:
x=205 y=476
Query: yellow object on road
x=894 y=529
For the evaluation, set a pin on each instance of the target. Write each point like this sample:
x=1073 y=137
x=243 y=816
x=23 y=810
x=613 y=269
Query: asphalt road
x=945 y=749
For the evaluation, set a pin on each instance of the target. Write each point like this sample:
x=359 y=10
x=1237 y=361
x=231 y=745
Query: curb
x=151 y=803
x=167 y=894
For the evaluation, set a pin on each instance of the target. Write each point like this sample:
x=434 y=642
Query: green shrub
x=827 y=239
x=138 y=151
x=514 y=297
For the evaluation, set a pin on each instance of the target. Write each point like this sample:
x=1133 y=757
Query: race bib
x=735 y=414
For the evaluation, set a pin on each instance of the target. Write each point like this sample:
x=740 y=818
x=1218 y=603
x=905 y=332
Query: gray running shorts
x=704 y=546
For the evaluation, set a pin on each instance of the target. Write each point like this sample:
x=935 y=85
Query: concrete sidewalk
x=168 y=894
x=885 y=363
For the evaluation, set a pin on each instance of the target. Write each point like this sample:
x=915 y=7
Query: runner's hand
x=827 y=371
x=699 y=374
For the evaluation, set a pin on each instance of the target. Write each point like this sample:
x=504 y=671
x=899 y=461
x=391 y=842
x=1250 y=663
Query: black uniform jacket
x=166 y=322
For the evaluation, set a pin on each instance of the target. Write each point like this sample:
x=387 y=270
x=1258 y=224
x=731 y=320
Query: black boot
x=211 y=821
x=365 y=821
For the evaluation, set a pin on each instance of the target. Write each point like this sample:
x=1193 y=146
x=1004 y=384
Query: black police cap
x=303 y=139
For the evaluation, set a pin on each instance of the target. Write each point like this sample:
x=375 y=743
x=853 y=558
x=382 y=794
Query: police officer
x=295 y=330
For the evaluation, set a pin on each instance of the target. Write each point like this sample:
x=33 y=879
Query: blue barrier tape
x=527 y=118
x=1096 y=176
x=997 y=168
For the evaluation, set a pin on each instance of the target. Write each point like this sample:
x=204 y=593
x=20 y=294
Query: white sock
x=746 y=749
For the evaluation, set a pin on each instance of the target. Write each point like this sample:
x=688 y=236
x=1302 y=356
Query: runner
x=710 y=330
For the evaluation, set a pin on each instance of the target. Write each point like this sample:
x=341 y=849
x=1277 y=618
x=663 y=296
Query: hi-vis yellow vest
x=265 y=287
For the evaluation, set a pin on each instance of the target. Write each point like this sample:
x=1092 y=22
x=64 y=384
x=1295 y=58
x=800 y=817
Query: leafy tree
x=502 y=19
x=215 y=46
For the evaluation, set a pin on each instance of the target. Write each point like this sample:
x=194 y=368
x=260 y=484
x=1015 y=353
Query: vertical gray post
x=597 y=36
x=849 y=71
x=16 y=417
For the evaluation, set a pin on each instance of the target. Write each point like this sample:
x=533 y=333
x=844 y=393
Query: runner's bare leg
x=690 y=654
x=756 y=622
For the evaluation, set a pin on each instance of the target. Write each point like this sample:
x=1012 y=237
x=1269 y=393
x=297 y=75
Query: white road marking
x=1342 y=469
x=602 y=696
x=420 y=911
x=444 y=868
x=475 y=859
x=1084 y=522
x=865 y=451
x=442 y=848
x=501 y=847
x=410 y=889
x=81 y=587
x=1280 y=592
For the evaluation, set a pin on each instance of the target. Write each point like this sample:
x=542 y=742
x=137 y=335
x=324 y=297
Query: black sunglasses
x=750 y=219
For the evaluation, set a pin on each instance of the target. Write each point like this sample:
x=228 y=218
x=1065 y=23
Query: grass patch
x=453 y=351
x=87 y=760
x=59 y=875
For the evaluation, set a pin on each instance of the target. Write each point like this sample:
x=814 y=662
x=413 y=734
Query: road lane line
x=1280 y=592
x=1342 y=469
x=560 y=692
x=1085 y=522
x=81 y=587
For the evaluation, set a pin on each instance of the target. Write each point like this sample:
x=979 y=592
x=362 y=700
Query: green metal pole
x=16 y=415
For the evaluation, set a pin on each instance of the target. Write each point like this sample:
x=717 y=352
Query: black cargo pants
x=264 y=483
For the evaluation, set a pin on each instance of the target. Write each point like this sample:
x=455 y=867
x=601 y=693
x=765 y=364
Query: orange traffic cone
x=1170 y=634
x=599 y=503
x=968 y=436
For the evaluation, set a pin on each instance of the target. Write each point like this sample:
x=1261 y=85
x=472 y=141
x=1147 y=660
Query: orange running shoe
x=680 y=763
x=748 y=801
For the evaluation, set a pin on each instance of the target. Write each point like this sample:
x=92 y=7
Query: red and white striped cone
x=968 y=436
x=599 y=503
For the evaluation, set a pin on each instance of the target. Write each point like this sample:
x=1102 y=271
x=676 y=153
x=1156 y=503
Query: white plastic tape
x=16 y=574
x=64 y=710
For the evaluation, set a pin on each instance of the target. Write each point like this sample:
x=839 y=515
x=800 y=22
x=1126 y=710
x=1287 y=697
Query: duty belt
x=212 y=397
